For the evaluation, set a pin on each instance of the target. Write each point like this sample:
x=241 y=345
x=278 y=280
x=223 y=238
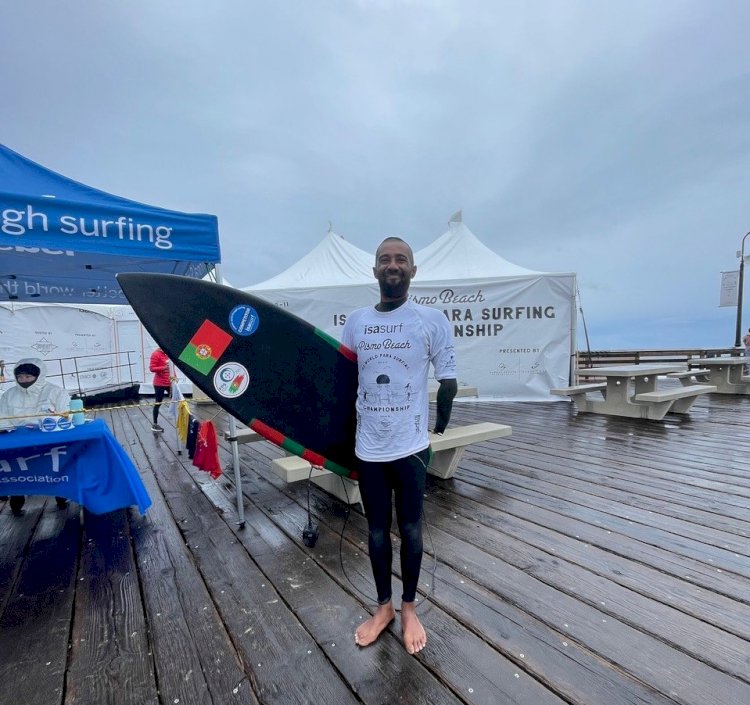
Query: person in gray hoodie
x=31 y=398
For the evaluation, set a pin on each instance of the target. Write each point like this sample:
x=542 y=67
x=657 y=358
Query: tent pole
x=573 y=333
x=235 y=445
x=585 y=329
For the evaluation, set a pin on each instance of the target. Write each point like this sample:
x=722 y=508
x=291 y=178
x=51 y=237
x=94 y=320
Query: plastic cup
x=76 y=406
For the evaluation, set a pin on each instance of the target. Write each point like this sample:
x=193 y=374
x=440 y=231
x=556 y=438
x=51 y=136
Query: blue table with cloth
x=83 y=463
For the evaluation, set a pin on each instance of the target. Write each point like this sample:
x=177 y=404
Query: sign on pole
x=729 y=284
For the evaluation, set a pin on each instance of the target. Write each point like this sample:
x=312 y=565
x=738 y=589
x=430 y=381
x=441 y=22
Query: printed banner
x=513 y=337
x=729 y=288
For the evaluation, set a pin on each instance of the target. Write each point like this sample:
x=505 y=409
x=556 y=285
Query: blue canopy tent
x=63 y=242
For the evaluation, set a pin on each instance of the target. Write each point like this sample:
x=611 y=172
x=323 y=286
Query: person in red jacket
x=159 y=365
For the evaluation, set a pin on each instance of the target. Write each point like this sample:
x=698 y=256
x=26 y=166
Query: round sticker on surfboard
x=231 y=380
x=244 y=319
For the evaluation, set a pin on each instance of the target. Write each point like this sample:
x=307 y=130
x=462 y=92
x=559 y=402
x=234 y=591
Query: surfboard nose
x=140 y=287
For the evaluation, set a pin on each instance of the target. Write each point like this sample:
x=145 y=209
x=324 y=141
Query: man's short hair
x=393 y=238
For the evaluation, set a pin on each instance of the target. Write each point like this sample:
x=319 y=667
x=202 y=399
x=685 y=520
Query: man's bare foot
x=369 y=631
x=415 y=637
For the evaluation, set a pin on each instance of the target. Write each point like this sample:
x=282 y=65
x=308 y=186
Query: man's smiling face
x=394 y=268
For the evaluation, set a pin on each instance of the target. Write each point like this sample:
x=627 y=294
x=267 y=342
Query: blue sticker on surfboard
x=244 y=319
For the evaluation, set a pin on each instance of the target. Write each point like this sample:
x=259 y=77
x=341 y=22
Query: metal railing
x=84 y=373
x=599 y=358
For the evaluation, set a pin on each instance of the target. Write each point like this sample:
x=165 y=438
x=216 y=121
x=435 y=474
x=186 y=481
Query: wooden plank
x=488 y=674
x=194 y=657
x=583 y=677
x=110 y=656
x=717 y=647
x=617 y=467
x=15 y=535
x=533 y=534
x=660 y=458
x=595 y=452
x=650 y=545
x=690 y=515
x=37 y=611
x=664 y=514
x=265 y=631
x=611 y=557
x=317 y=603
x=653 y=475
x=717 y=515
x=546 y=588
x=563 y=666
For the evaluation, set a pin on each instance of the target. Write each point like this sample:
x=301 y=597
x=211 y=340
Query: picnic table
x=725 y=373
x=630 y=390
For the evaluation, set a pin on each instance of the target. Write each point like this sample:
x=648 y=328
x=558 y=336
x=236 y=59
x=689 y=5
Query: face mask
x=26 y=385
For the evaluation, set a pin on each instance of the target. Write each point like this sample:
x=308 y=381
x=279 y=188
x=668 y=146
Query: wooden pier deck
x=583 y=560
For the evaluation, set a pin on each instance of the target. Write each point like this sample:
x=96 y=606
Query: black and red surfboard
x=287 y=380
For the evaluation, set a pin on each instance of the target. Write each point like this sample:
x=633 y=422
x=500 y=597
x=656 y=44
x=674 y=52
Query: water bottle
x=76 y=406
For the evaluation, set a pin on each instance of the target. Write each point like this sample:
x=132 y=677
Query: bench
x=579 y=389
x=244 y=435
x=578 y=393
x=447 y=448
x=462 y=392
x=686 y=377
x=680 y=399
x=292 y=468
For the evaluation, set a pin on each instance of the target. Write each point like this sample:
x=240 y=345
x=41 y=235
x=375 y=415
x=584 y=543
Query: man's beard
x=394 y=290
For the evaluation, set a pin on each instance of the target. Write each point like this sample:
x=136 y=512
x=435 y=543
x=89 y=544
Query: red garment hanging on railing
x=207 y=450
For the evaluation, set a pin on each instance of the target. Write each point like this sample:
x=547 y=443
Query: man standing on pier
x=396 y=341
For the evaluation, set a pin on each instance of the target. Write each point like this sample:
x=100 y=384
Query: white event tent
x=514 y=327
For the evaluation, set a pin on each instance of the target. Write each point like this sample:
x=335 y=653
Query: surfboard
x=289 y=381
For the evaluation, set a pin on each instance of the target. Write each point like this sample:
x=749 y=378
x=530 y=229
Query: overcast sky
x=608 y=138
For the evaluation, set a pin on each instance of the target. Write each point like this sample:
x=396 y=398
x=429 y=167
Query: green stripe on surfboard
x=335 y=467
x=296 y=449
x=328 y=338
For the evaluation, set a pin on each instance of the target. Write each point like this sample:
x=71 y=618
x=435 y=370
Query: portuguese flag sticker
x=205 y=347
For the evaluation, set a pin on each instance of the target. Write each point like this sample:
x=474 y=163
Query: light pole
x=738 y=328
